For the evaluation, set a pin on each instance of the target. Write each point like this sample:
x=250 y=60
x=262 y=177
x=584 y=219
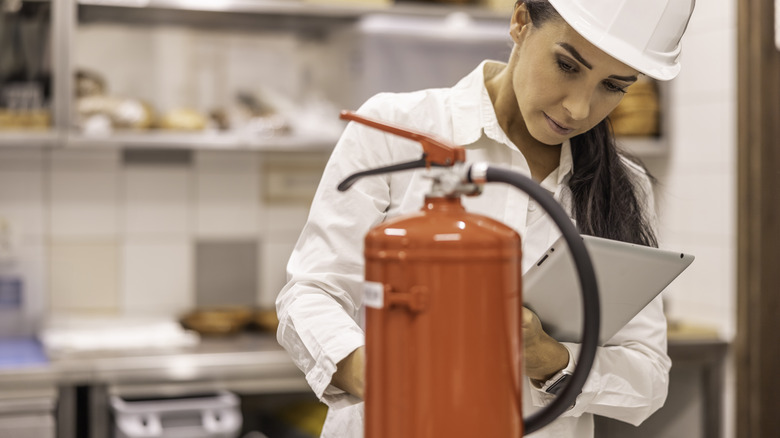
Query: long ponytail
x=605 y=190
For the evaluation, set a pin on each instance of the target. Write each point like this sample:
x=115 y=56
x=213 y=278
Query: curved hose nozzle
x=350 y=180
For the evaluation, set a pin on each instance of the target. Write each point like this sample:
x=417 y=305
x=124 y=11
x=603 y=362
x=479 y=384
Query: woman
x=542 y=113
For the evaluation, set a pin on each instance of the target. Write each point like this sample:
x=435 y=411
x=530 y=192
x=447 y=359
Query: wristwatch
x=557 y=382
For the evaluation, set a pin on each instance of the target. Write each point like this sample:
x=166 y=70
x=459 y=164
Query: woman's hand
x=350 y=373
x=544 y=356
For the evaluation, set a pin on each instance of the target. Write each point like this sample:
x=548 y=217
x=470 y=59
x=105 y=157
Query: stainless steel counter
x=246 y=356
x=245 y=364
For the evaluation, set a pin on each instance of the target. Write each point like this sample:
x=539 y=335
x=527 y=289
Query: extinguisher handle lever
x=436 y=151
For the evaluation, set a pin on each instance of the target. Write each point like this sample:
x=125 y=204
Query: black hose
x=588 y=286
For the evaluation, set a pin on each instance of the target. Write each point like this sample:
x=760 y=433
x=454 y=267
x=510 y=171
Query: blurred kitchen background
x=157 y=159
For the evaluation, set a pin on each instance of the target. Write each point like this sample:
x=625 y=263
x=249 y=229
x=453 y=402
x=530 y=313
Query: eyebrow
x=576 y=55
x=573 y=52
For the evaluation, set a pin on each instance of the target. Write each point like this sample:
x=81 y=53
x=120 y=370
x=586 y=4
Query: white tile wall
x=84 y=276
x=122 y=237
x=227 y=195
x=22 y=158
x=84 y=194
x=713 y=14
x=273 y=274
x=705 y=287
x=282 y=221
x=157 y=278
x=697 y=195
x=709 y=64
x=23 y=193
x=118 y=238
x=226 y=162
x=698 y=205
x=280 y=226
x=157 y=201
x=705 y=134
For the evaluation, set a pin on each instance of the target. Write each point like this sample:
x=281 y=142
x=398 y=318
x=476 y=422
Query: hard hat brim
x=660 y=66
x=660 y=70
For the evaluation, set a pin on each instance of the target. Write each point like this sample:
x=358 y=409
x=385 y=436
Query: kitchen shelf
x=19 y=139
x=227 y=141
x=301 y=8
x=213 y=141
x=237 y=14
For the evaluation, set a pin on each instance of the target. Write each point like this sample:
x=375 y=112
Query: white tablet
x=629 y=276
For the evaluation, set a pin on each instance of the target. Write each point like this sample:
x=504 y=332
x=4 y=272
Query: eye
x=613 y=87
x=566 y=66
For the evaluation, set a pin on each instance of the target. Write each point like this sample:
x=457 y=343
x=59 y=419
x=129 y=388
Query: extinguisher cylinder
x=444 y=339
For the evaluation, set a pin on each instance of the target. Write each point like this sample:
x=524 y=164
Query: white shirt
x=318 y=308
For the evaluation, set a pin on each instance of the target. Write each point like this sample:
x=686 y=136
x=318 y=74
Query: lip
x=556 y=127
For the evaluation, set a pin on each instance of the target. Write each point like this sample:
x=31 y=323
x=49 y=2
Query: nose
x=577 y=102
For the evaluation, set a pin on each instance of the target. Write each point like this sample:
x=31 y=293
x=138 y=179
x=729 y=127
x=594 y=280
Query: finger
x=528 y=317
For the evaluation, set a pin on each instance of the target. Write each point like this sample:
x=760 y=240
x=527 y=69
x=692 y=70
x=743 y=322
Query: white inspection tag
x=373 y=294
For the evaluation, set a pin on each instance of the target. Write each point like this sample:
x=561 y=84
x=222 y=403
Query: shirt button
x=532 y=206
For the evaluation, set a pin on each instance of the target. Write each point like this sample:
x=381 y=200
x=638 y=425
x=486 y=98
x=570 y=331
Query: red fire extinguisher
x=444 y=304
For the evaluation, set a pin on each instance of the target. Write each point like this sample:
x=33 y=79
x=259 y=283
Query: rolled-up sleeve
x=318 y=307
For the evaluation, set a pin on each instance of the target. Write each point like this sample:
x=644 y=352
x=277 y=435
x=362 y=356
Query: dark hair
x=605 y=190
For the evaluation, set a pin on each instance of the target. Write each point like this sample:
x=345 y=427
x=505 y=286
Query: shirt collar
x=562 y=173
x=468 y=99
x=566 y=164
x=470 y=96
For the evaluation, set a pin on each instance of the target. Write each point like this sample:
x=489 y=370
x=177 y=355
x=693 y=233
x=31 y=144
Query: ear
x=520 y=22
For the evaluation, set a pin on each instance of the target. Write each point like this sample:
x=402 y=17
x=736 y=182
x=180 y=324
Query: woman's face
x=564 y=85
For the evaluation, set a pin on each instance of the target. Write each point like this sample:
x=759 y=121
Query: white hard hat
x=643 y=34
